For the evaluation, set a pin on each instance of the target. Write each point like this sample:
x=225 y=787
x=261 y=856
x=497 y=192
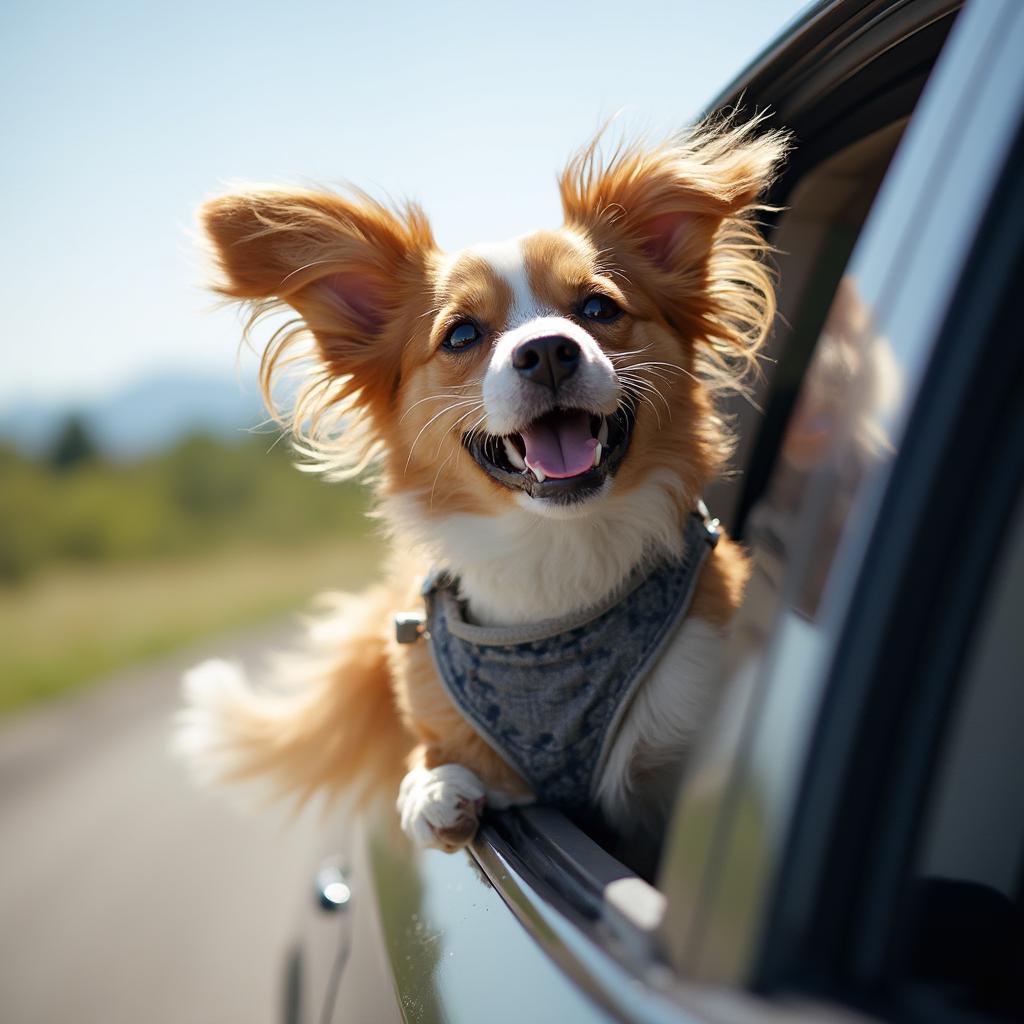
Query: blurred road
x=126 y=897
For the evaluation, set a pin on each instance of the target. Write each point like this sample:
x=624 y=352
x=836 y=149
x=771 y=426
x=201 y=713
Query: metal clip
x=409 y=627
x=711 y=525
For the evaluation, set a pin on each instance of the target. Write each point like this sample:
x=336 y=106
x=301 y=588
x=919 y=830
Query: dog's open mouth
x=565 y=455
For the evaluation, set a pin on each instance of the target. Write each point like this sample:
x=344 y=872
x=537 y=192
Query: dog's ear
x=665 y=200
x=350 y=267
x=676 y=218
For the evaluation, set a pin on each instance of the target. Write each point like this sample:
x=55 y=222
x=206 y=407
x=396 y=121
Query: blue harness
x=549 y=697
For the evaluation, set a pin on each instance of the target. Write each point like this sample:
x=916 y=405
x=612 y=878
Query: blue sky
x=118 y=118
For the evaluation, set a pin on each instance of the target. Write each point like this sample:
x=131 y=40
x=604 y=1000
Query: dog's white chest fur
x=517 y=568
x=640 y=778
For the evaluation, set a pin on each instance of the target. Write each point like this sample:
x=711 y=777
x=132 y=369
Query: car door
x=538 y=921
x=879 y=544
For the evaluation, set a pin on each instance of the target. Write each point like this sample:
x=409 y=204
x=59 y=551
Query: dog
x=540 y=418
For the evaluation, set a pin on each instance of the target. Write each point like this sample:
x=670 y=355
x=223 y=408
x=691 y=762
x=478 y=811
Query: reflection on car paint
x=442 y=923
x=837 y=435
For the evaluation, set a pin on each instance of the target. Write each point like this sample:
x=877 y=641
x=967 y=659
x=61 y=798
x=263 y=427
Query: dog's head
x=545 y=372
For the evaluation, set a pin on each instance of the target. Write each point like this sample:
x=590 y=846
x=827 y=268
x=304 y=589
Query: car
x=848 y=839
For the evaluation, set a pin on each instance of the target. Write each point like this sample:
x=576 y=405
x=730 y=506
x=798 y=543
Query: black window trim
x=838 y=31
x=591 y=915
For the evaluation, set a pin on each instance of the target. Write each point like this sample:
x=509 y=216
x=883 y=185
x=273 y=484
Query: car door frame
x=909 y=264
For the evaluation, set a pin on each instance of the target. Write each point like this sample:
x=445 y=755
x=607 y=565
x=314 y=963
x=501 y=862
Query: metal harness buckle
x=711 y=525
x=409 y=627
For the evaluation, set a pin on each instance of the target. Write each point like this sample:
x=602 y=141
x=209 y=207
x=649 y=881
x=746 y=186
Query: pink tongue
x=560 y=445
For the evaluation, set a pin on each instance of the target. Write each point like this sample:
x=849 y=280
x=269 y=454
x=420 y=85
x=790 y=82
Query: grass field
x=68 y=627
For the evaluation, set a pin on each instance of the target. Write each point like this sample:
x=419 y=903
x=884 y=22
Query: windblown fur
x=663 y=236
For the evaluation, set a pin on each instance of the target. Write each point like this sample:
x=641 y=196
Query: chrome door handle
x=333 y=890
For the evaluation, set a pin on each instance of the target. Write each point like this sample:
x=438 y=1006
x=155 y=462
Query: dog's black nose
x=547 y=361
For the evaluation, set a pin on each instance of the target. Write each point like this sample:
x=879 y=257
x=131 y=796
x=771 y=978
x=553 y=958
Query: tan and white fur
x=422 y=371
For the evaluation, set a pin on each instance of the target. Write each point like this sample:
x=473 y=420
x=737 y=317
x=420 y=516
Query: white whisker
x=617 y=357
x=455 y=425
x=476 y=426
x=431 y=398
x=437 y=415
x=645 y=390
x=430 y=501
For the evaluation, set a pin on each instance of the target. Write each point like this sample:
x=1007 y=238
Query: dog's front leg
x=440 y=806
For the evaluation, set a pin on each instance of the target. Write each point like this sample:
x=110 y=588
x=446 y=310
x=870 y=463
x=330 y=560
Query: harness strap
x=549 y=697
x=411 y=626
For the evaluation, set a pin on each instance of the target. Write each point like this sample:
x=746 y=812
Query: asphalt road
x=126 y=896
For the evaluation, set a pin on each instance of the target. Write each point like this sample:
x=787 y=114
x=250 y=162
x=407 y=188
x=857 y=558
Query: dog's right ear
x=352 y=269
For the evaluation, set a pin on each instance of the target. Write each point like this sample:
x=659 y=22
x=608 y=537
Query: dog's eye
x=600 y=308
x=462 y=336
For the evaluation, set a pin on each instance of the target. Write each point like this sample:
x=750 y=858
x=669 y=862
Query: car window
x=710 y=870
x=843 y=153
x=847 y=102
x=899 y=889
x=845 y=140
x=756 y=814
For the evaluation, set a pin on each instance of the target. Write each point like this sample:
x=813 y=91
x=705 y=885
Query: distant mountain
x=142 y=418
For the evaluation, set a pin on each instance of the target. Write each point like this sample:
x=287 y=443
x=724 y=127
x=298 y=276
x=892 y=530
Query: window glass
x=849 y=379
x=849 y=384
x=813 y=239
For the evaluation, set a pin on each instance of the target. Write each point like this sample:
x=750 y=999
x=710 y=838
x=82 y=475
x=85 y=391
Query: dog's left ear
x=675 y=215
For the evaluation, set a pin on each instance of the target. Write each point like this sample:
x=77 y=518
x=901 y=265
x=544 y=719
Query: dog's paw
x=440 y=807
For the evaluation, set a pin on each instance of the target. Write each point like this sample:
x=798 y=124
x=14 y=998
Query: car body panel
x=456 y=953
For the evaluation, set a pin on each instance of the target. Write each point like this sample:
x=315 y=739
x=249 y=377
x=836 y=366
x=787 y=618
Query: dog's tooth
x=539 y=474
x=602 y=433
x=597 y=454
x=513 y=454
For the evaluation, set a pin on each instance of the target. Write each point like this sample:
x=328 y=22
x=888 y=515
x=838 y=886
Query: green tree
x=73 y=446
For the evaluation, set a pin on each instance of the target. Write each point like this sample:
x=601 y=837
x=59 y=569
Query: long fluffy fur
x=731 y=304
x=716 y=170
x=327 y=725
x=670 y=229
